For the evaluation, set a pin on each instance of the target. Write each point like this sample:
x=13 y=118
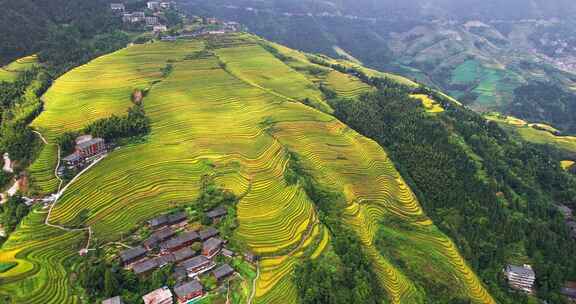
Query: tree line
x=494 y=196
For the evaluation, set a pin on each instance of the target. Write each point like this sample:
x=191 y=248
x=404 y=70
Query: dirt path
x=62 y=190
x=253 y=293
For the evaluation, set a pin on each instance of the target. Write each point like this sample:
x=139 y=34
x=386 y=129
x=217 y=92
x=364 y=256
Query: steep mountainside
x=26 y=24
x=464 y=48
x=229 y=111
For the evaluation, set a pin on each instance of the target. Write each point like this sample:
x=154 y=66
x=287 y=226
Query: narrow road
x=253 y=293
x=61 y=191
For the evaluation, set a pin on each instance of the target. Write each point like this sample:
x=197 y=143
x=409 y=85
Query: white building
x=153 y=5
x=117 y=7
x=151 y=21
x=159 y=296
x=160 y=28
x=520 y=277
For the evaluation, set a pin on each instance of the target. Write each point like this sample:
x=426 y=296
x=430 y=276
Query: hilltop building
x=165 y=5
x=159 y=296
x=153 y=5
x=134 y=17
x=85 y=150
x=117 y=7
x=188 y=291
x=151 y=21
x=114 y=300
x=521 y=277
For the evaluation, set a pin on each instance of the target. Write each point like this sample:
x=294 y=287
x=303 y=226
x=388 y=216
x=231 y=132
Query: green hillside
x=232 y=111
x=11 y=71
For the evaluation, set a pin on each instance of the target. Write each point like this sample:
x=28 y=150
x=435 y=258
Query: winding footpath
x=61 y=191
x=253 y=293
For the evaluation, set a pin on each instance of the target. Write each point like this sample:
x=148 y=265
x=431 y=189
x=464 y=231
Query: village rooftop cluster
x=171 y=243
x=208 y=26
x=151 y=21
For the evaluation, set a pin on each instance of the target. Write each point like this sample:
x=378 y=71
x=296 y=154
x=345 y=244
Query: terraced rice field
x=42 y=172
x=567 y=164
x=428 y=103
x=346 y=85
x=11 y=71
x=41 y=253
x=535 y=133
x=235 y=122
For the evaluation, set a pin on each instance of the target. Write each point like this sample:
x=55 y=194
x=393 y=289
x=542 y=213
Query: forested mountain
x=478 y=51
x=27 y=24
x=324 y=180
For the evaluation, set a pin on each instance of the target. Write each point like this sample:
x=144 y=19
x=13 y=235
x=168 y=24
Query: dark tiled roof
x=212 y=244
x=114 y=300
x=185 y=289
x=159 y=221
x=208 y=233
x=89 y=143
x=177 y=218
x=194 y=262
x=183 y=254
x=185 y=238
x=227 y=252
x=130 y=254
x=223 y=271
x=180 y=273
x=218 y=212
x=164 y=260
x=151 y=242
x=164 y=234
x=71 y=158
x=145 y=266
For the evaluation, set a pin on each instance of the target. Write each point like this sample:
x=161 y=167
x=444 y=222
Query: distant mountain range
x=481 y=52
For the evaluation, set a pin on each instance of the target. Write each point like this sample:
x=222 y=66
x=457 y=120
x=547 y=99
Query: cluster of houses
x=86 y=150
x=171 y=243
x=210 y=26
x=140 y=17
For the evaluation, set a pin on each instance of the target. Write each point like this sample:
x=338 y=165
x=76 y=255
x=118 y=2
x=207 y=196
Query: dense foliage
x=547 y=103
x=346 y=275
x=495 y=197
x=31 y=25
x=102 y=279
x=134 y=123
x=19 y=104
x=11 y=213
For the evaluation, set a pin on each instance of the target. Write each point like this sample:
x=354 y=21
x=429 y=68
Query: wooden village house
x=159 y=296
x=223 y=272
x=211 y=247
x=188 y=291
x=130 y=256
